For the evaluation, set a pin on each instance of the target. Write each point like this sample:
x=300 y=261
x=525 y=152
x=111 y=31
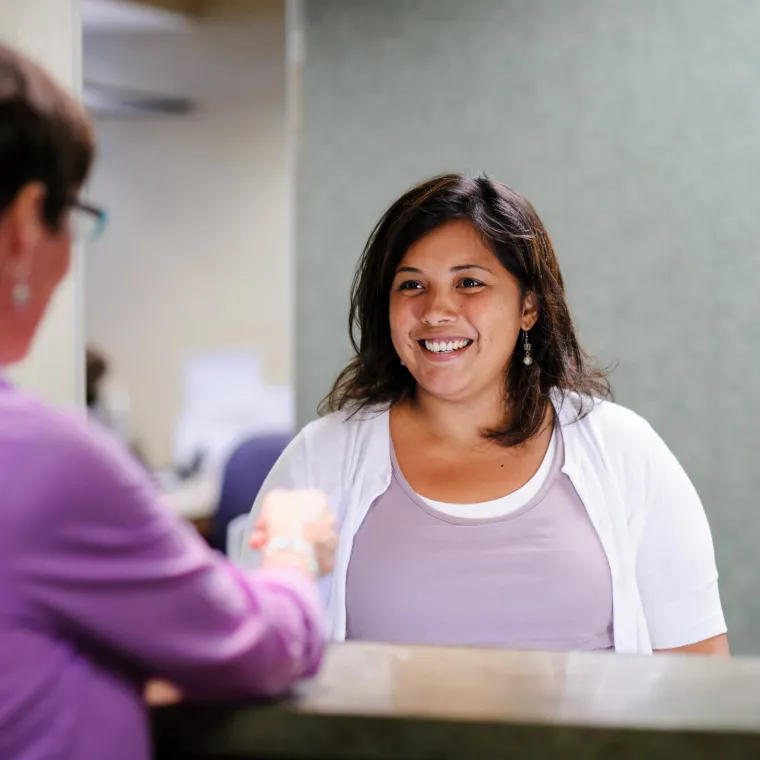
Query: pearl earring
x=21 y=294
x=527 y=359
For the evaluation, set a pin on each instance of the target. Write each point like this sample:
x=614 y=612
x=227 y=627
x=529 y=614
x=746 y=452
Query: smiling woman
x=455 y=243
x=488 y=492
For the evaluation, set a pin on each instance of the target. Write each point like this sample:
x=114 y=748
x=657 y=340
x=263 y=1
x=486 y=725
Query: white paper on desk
x=226 y=402
x=220 y=380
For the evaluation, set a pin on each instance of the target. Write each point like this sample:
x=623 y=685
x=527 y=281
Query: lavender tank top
x=536 y=578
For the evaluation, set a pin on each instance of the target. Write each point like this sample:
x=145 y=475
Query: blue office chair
x=244 y=474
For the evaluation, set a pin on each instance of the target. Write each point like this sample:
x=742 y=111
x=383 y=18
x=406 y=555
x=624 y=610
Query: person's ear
x=529 y=315
x=25 y=225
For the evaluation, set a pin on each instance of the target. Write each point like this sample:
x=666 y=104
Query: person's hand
x=298 y=515
x=159 y=693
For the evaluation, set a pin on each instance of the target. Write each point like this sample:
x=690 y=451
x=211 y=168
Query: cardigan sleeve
x=676 y=569
x=100 y=560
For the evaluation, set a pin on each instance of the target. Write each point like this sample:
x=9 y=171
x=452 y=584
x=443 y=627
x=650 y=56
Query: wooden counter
x=373 y=701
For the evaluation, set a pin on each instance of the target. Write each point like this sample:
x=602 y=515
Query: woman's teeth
x=444 y=347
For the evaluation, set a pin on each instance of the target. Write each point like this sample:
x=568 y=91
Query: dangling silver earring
x=402 y=363
x=21 y=294
x=527 y=359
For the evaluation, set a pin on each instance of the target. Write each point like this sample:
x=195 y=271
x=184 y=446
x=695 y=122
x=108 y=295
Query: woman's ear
x=529 y=315
x=24 y=226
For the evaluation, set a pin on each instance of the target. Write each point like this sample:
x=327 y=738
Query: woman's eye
x=468 y=282
x=410 y=285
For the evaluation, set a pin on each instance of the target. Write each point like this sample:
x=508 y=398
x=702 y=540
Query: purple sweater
x=100 y=587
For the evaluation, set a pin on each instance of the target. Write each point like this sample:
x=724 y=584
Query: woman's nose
x=440 y=308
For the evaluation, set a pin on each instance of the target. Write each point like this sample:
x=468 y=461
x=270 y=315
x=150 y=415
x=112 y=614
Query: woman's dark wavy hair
x=512 y=230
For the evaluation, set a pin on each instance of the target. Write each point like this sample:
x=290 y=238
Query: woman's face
x=456 y=314
x=31 y=255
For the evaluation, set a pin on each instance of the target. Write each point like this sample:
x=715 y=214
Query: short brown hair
x=512 y=230
x=45 y=136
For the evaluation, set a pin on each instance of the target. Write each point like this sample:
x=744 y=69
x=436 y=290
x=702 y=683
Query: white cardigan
x=645 y=510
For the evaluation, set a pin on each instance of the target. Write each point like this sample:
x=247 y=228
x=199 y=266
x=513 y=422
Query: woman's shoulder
x=341 y=445
x=58 y=457
x=620 y=421
x=30 y=425
x=333 y=453
x=612 y=430
x=620 y=443
x=346 y=426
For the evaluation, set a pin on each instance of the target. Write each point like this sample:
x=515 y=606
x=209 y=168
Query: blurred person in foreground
x=100 y=587
x=488 y=491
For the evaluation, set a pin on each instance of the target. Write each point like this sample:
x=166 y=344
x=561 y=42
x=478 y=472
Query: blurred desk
x=409 y=703
x=196 y=499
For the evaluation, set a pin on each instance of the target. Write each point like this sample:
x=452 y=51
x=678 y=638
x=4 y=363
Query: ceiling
x=108 y=16
x=127 y=17
x=164 y=57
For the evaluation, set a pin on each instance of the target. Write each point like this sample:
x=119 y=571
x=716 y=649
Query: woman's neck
x=457 y=422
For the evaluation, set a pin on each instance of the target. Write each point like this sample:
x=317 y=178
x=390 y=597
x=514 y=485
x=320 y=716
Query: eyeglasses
x=87 y=222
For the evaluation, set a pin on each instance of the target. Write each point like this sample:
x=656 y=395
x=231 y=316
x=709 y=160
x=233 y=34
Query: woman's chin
x=445 y=391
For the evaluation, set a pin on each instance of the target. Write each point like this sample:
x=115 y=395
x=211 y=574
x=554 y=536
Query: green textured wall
x=634 y=127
